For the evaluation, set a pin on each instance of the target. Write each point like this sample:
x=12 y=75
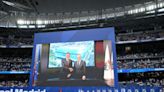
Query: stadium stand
x=141 y=79
x=139 y=39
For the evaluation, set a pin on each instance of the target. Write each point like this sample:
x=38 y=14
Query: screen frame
x=90 y=34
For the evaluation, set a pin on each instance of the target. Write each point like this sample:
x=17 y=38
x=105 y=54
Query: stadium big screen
x=75 y=58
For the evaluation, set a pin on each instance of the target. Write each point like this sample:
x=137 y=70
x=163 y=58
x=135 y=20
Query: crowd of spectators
x=14 y=83
x=142 y=63
x=143 y=79
x=16 y=41
x=140 y=55
x=139 y=36
x=15 y=63
x=141 y=60
x=144 y=82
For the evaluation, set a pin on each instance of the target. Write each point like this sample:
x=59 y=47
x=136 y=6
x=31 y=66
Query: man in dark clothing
x=80 y=68
x=66 y=70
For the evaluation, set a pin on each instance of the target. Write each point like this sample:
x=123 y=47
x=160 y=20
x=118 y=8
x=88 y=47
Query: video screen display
x=58 y=51
x=75 y=58
x=83 y=63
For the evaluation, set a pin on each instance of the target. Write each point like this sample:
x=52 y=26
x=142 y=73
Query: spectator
x=15 y=63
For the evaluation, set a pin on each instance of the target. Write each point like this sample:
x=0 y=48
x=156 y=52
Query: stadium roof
x=56 y=6
x=82 y=5
x=40 y=13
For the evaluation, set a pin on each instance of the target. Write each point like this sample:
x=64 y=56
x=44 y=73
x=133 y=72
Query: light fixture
x=20 y=21
x=39 y=22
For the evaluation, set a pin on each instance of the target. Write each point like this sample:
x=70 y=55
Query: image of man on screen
x=66 y=70
x=80 y=68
